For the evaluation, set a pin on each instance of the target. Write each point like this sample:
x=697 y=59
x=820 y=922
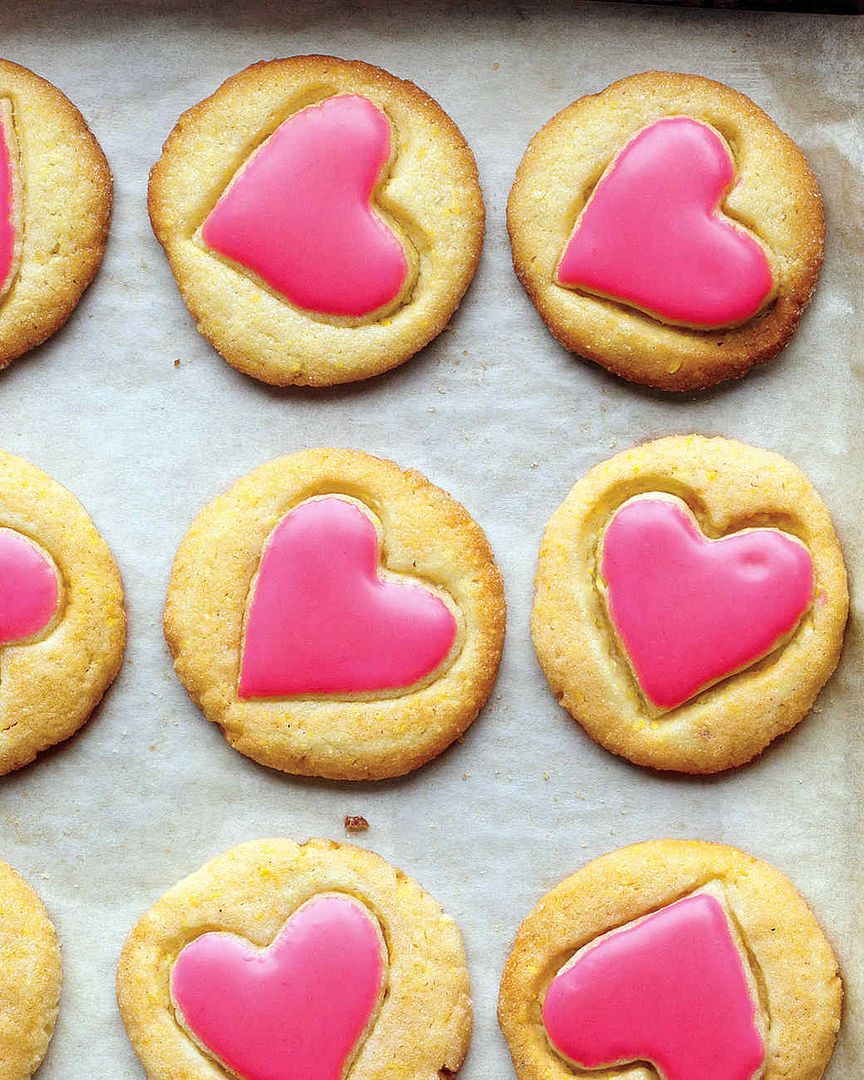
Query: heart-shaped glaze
x=670 y=989
x=652 y=234
x=323 y=621
x=29 y=588
x=689 y=610
x=8 y=199
x=299 y=213
x=296 y=1010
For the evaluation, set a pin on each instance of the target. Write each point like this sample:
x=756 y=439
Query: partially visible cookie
x=322 y=218
x=336 y=616
x=55 y=206
x=280 y=960
x=695 y=958
x=690 y=602
x=29 y=977
x=62 y=622
x=668 y=230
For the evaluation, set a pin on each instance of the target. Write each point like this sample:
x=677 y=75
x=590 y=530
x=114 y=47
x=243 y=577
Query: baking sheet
x=494 y=411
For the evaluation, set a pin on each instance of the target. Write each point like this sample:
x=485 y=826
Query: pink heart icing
x=29 y=588
x=296 y=1010
x=8 y=235
x=670 y=989
x=689 y=610
x=299 y=213
x=322 y=620
x=652 y=235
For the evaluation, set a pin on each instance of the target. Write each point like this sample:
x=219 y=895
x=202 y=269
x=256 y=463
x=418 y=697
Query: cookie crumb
x=177 y=363
x=355 y=823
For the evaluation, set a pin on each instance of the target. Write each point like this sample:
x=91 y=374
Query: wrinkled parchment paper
x=494 y=411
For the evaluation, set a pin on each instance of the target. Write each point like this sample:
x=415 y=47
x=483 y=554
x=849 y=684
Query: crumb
x=546 y=776
x=355 y=823
x=177 y=363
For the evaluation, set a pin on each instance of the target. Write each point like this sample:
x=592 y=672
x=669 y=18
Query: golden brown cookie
x=322 y=218
x=694 y=957
x=668 y=230
x=63 y=626
x=29 y=977
x=55 y=206
x=336 y=616
x=328 y=954
x=690 y=602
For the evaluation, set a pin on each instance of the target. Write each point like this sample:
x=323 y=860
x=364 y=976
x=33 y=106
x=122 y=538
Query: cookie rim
x=695 y=365
x=616 y=888
x=312 y=367
x=735 y=719
x=257 y=728
x=321 y=861
x=62 y=297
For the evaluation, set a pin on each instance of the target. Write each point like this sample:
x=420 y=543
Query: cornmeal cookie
x=693 y=958
x=29 y=977
x=336 y=616
x=281 y=960
x=322 y=218
x=668 y=230
x=690 y=602
x=62 y=624
x=55 y=205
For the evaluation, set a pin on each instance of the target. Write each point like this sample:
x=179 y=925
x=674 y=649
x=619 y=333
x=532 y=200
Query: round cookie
x=690 y=602
x=336 y=616
x=322 y=218
x=693 y=957
x=63 y=626
x=332 y=957
x=668 y=230
x=29 y=977
x=55 y=206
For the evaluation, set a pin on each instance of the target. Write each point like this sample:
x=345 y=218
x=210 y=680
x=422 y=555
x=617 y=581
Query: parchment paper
x=494 y=411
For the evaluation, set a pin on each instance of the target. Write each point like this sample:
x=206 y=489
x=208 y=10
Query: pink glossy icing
x=690 y=610
x=323 y=621
x=8 y=237
x=294 y=1011
x=653 y=236
x=29 y=589
x=299 y=214
x=670 y=989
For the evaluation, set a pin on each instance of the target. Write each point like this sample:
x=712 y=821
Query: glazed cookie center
x=672 y=989
x=300 y=1007
x=30 y=588
x=689 y=610
x=10 y=197
x=299 y=214
x=653 y=236
x=325 y=618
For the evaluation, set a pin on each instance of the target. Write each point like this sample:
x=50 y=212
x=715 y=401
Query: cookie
x=29 y=977
x=55 y=206
x=322 y=219
x=690 y=602
x=337 y=963
x=62 y=623
x=668 y=230
x=336 y=616
x=694 y=958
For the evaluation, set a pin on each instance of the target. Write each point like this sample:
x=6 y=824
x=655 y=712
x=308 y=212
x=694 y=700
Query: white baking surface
x=494 y=411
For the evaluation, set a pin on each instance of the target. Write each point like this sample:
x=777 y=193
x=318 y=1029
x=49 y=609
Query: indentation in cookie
x=300 y=214
x=690 y=610
x=673 y=989
x=653 y=234
x=325 y=617
x=30 y=590
x=11 y=218
x=302 y=1006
